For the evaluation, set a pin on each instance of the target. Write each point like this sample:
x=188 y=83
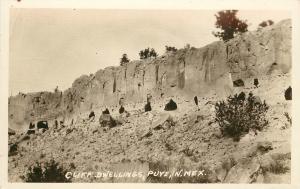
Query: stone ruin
x=106 y=120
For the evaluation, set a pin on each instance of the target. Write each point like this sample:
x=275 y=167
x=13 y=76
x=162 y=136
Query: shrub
x=227 y=164
x=238 y=115
x=49 y=172
x=277 y=167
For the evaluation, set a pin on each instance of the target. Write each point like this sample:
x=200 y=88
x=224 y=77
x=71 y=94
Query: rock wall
x=185 y=73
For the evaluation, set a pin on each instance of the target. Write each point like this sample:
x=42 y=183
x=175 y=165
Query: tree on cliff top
x=124 y=60
x=170 y=49
x=148 y=53
x=265 y=23
x=228 y=22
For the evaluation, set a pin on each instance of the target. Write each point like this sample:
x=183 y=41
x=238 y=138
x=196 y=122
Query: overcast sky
x=52 y=47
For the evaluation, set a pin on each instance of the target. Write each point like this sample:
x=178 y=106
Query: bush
x=238 y=115
x=277 y=167
x=48 y=172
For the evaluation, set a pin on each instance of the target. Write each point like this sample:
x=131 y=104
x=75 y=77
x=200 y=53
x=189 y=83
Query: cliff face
x=186 y=73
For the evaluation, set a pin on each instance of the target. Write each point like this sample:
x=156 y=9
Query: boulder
x=288 y=93
x=221 y=173
x=171 y=105
x=106 y=120
x=163 y=121
x=238 y=83
x=146 y=134
x=122 y=118
x=245 y=171
x=257 y=100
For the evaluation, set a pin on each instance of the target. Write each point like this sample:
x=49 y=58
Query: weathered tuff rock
x=245 y=171
x=106 y=120
x=188 y=72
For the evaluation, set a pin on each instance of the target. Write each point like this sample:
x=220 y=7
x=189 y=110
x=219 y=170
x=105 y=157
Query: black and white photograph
x=194 y=96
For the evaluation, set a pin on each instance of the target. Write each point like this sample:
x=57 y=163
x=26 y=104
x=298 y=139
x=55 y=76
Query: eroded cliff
x=186 y=73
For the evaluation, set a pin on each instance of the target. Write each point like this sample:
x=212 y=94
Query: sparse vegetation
x=230 y=25
x=238 y=115
x=48 y=172
x=148 y=53
x=276 y=167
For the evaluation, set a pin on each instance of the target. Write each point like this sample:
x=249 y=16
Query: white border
x=293 y=5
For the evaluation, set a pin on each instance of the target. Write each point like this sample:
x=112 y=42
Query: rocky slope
x=185 y=138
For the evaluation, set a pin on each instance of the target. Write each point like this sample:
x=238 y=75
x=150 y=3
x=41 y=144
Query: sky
x=53 y=47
